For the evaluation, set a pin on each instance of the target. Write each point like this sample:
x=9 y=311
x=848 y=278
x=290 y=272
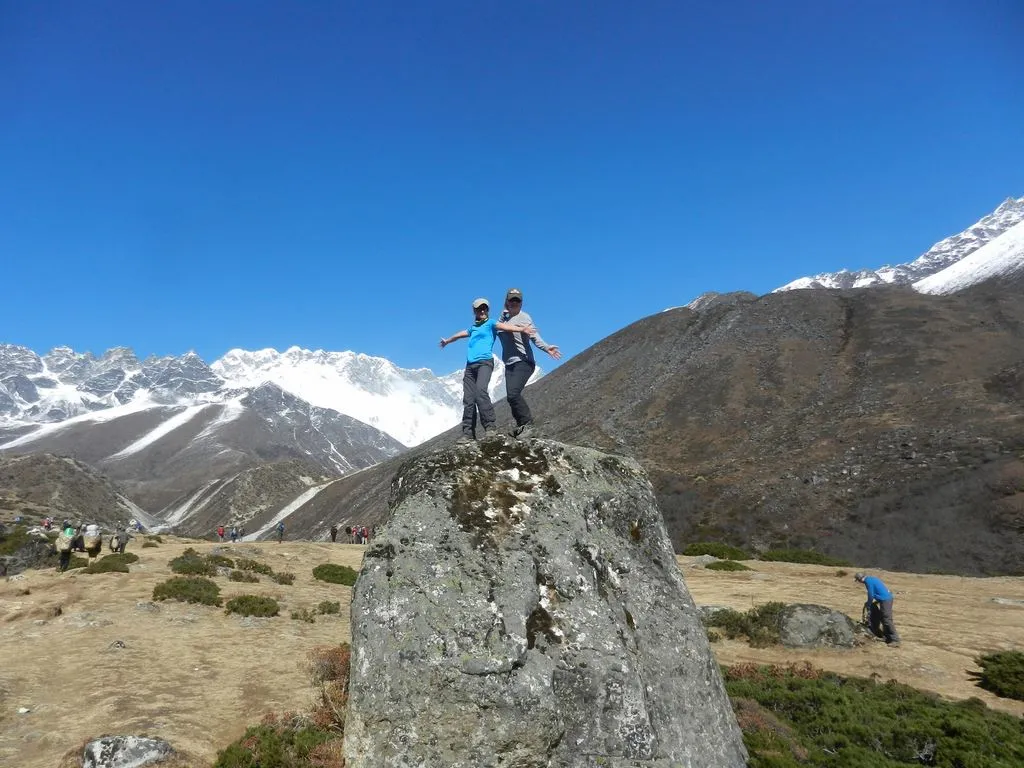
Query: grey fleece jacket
x=516 y=346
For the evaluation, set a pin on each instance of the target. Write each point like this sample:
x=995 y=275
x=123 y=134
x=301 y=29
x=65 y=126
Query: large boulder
x=803 y=625
x=125 y=752
x=522 y=607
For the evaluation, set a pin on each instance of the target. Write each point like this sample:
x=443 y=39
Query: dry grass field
x=197 y=677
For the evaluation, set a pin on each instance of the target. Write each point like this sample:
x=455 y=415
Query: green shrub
x=285 y=742
x=15 y=538
x=807 y=717
x=759 y=625
x=807 y=556
x=188 y=589
x=252 y=605
x=243 y=576
x=149 y=544
x=245 y=564
x=1003 y=674
x=727 y=565
x=715 y=549
x=840 y=574
x=78 y=562
x=336 y=574
x=220 y=561
x=284 y=578
x=155 y=538
x=304 y=614
x=115 y=563
x=191 y=563
x=327 y=607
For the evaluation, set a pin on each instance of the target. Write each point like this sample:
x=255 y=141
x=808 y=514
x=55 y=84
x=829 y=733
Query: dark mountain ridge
x=881 y=425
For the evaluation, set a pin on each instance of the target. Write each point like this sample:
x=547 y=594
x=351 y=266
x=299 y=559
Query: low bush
x=191 y=563
x=840 y=574
x=243 y=576
x=149 y=544
x=288 y=741
x=116 y=563
x=252 y=605
x=715 y=549
x=329 y=669
x=727 y=565
x=759 y=625
x=220 y=561
x=304 y=614
x=14 y=539
x=78 y=562
x=188 y=589
x=800 y=716
x=284 y=578
x=156 y=539
x=245 y=564
x=327 y=607
x=336 y=574
x=1002 y=673
x=806 y=556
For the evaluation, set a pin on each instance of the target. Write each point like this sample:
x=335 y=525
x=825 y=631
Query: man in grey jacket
x=517 y=354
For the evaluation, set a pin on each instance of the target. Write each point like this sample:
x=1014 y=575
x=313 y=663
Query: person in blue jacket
x=479 y=367
x=879 y=606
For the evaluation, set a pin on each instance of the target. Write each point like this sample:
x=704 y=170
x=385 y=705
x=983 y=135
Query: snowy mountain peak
x=1001 y=257
x=937 y=258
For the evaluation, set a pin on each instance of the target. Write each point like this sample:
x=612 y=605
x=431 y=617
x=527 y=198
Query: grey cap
x=858 y=576
x=477 y=303
x=513 y=293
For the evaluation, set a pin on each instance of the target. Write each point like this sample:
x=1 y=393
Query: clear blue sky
x=206 y=175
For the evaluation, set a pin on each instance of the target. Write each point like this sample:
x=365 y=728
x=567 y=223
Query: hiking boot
x=465 y=439
x=490 y=431
x=528 y=430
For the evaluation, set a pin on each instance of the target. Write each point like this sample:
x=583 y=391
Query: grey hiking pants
x=475 y=396
x=880 y=620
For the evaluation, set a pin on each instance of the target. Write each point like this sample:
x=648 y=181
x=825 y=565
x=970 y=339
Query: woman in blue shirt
x=479 y=367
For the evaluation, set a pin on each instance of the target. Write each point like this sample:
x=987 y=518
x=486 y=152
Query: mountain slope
x=1002 y=257
x=882 y=426
x=937 y=258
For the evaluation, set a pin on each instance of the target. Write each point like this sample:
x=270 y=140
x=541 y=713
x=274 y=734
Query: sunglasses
x=484 y=308
x=515 y=301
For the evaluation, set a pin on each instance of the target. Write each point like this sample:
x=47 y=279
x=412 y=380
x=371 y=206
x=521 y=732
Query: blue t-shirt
x=481 y=341
x=877 y=589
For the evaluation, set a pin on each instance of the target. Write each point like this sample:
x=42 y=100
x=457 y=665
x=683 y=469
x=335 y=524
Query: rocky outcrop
x=523 y=607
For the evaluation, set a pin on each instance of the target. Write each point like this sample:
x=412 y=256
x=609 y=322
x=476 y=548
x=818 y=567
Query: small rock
x=147 y=607
x=116 y=645
x=804 y=626
x=1007 y=601
x=701 y=560
x=23 y=710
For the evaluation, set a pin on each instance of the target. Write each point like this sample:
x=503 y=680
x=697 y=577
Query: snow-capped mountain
x=999 y=258
x=410 y=405
x=939 y=257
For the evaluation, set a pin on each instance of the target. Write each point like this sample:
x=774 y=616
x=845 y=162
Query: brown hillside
x=882 y=426
x=198 y=677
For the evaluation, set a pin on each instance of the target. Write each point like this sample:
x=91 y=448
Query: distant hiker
x=234 y=534
x=334 y=533
x=366 y=535
x=64 y=543
x=122 y=537
x=879 y=607
x=350 y=532
x=479 y=367
x=220 y=532
x=517 y=355
x=241 y=532
x=280 y=532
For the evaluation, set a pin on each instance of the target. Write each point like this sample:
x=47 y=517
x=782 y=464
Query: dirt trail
x=197 y=677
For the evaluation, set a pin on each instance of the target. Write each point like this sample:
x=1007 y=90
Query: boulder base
x=523 y=607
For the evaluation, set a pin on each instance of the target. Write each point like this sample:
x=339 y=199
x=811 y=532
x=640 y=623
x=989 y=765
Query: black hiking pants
x=475 y=396
x=516 y=376
x=65 y=561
